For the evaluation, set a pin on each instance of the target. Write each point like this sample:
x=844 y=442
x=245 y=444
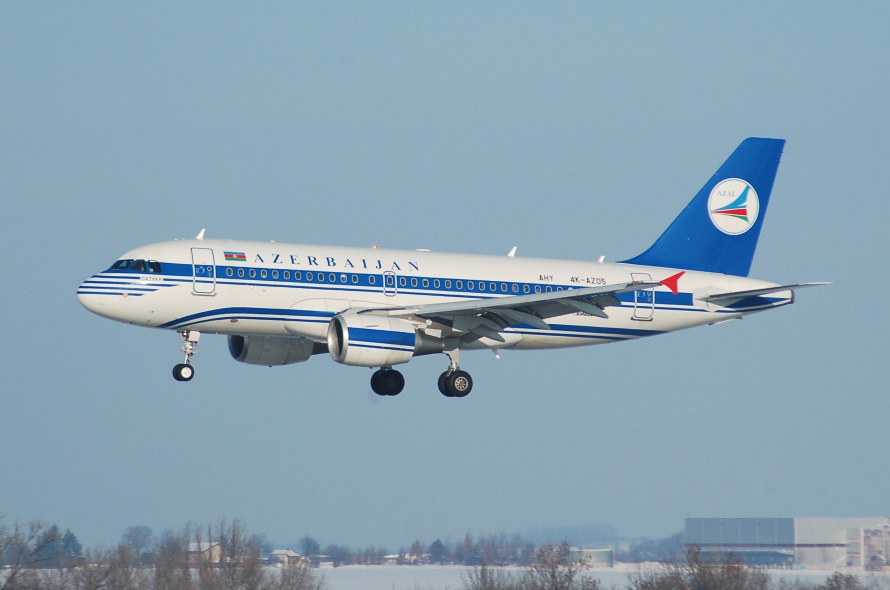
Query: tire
x=387 y=382
x=459 y=384
x=443 y=385
x=376 y=385
x=393 y=382
x=183 y=372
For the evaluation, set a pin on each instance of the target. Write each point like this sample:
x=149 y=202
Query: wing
x=487 y=317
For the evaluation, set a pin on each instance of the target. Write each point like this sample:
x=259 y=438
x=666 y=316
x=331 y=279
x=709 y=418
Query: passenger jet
x=281 y=303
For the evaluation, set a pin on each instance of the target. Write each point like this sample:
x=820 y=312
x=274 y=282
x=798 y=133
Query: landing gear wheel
x=457 y=384
x=183 y=372
x=387 y=382
x=443 y=384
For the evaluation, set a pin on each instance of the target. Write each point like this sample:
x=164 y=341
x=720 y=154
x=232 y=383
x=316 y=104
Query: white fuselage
x=292 y=290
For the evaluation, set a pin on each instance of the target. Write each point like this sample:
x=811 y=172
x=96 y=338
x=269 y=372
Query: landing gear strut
x=454 y=382
x=184 y=370
x=387 y=381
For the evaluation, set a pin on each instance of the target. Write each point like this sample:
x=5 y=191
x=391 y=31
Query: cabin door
x=203 y=271
x=644 y=299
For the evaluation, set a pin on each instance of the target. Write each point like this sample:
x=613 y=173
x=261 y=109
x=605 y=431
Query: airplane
x=281 y=303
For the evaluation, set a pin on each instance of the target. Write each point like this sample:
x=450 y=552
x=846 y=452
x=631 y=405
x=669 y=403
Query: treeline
x=216 y=557
x=499 y=550
x=227 y=557
x=554 y=569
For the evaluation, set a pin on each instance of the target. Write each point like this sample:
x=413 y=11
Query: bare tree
x=296 y=577
x=695 y=573
x=24 y=548
x=485 y=577
x=138 y=538
x=556 y=568
x=171 y=567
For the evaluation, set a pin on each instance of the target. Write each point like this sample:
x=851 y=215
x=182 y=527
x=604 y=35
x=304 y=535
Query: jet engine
x=272 y=350
x=367 y=340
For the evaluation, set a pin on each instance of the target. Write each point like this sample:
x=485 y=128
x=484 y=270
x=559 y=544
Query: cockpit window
x=137 y=265
x=121 y=265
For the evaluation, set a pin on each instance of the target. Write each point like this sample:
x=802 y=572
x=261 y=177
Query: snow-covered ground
x=452 y=577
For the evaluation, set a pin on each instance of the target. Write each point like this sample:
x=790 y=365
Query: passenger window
x=354 y=279
x=503 y=287
x=274 y=274
x=459 y=285
x=515 y=288
x=229 y=272
x=241 y=272
x=482 y=286
x=287 y=275
x=298 y=276
x=525 y=289
x=263 y=273
x=549 y=289
x=403 y=281
x=493 y=287
x=447 y=284
x=372 y=280
x=537 y=288
x=332 y=277
x=309 y=276
x=413 y=282
x=470 y=285
x=426 y=282
x=343 y=278
x=436 y=283
x=252 y=273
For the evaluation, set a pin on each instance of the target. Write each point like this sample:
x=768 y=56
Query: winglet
x=671 y=282
x=201 y=235
x=512 y=252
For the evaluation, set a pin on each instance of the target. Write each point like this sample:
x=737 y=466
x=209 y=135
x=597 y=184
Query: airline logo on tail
x=733 y=206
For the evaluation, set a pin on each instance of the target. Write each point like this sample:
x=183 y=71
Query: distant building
x=203 y=553
x=285 y=557
x=799 y=543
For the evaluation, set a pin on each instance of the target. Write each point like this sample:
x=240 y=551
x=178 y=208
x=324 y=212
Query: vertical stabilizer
x=719 y=228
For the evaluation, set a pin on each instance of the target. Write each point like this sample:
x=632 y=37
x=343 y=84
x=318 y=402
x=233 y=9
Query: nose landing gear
x=184 y=370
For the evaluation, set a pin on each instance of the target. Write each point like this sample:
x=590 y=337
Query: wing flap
x=487 y=317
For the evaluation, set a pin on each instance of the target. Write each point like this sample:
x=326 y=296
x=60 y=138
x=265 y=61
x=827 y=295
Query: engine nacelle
x=367 y=340
x=271 y=350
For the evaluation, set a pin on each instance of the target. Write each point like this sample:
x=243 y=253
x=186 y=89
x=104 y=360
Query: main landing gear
x=454 y=382
x=184 y=370
x=386 y=381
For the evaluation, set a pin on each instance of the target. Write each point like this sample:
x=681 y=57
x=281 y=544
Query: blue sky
x=572 y=130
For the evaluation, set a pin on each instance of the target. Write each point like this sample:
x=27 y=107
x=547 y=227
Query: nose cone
x=91 y=296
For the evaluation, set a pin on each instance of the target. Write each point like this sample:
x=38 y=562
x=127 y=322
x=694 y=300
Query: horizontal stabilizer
x=736 y=295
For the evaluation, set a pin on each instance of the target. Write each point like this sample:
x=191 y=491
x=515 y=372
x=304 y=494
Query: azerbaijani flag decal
x=235 y=257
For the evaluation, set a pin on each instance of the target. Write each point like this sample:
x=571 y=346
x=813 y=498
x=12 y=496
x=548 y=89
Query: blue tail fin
x=718 y=229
